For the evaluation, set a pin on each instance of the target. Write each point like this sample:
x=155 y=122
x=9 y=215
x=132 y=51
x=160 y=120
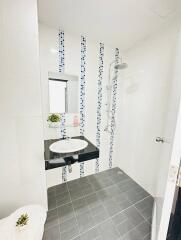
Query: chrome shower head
x=121 y=66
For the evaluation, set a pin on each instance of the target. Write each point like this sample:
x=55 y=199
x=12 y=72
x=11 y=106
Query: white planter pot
x=54 y=124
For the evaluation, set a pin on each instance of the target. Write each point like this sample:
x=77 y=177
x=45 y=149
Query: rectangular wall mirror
x=63 y=93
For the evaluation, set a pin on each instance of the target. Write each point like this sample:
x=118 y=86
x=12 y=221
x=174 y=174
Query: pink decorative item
x=75 y=121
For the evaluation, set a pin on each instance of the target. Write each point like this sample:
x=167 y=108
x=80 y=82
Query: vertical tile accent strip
x=99 y=100
x=61 y=69
x=82 y=94
x=61 y=51
x=114 y=96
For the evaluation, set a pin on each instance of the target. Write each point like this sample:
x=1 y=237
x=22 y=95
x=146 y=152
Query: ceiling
x=119 y=23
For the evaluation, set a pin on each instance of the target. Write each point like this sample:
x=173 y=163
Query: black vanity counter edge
x=89 y=153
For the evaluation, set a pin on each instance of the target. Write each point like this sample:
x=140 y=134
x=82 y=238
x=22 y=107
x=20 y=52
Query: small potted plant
x=54 y=120
x=22 y=221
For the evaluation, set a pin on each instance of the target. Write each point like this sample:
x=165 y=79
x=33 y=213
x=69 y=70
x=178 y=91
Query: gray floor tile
x=92 y=234
x=52 y=219
x=125 y=227
x=99 y=214
x=51 y=189
x=99 y=238
x=132 y=235
x=119 y=177
x=80 y=206
x=147 y=237
x=79 y=203
x=92 y=200
x=72 y=222
x=100 y=181
x=85 y=221
x=113 y=171
x=133 y=216
x=63 y=198
x=147 y=213
x=136 y=195
x=65 y=212
x=52 y=213
x=77 y=238
x=70 y=233
x=87 y=190
x=97 y=209
x=112 y=191
x=96 y=185
x=144 y=229
x=76 y=193
x=119 y=218
x=149 y=220
x=51 y=203
x=111 y=207
x=84 y=181
x=108 y=231
x=60 y=189
x=106 y=182
x=85 y=213
x=73 y=184
x=103 y=195
x=92 y=177
x=52 y=233
x=100 y=217
x=124 y=204
x=124 y=185
x=51 y=193
x=145 y=207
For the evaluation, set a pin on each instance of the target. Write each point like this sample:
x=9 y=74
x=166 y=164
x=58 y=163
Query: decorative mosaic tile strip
x=82 y=94
x=99 y=101
x=61 y=51
x=63 y=129
x=61 y=69
x=114 y=96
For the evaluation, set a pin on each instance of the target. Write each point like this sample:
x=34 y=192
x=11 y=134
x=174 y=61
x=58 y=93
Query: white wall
x=22 y=175
x=49 y=62
x=142 y=106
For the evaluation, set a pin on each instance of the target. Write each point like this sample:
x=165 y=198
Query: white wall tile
x=49 y=62
x=22 y=178
x=142 y=105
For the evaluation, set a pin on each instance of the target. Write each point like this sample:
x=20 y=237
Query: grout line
x=73 y=210
x=109 y=218
x=146 y=236
x=146 y=219
x=57 y=212
x=96 y=191
x=134 y=228
x=116 y=227
x=141 y=214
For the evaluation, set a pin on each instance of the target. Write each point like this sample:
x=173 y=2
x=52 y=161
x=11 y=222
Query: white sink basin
x=68 y=145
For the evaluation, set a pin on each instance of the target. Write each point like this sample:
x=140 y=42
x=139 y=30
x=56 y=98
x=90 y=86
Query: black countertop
x=88 y=153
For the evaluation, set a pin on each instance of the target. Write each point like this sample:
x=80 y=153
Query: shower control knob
x=159 y=139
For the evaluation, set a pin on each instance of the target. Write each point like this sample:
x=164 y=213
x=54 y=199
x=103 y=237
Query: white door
x=169 y=161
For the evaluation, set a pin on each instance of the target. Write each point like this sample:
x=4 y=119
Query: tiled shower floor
x=104 y=206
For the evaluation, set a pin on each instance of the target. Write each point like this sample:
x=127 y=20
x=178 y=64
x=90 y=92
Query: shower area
x=147 y=113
